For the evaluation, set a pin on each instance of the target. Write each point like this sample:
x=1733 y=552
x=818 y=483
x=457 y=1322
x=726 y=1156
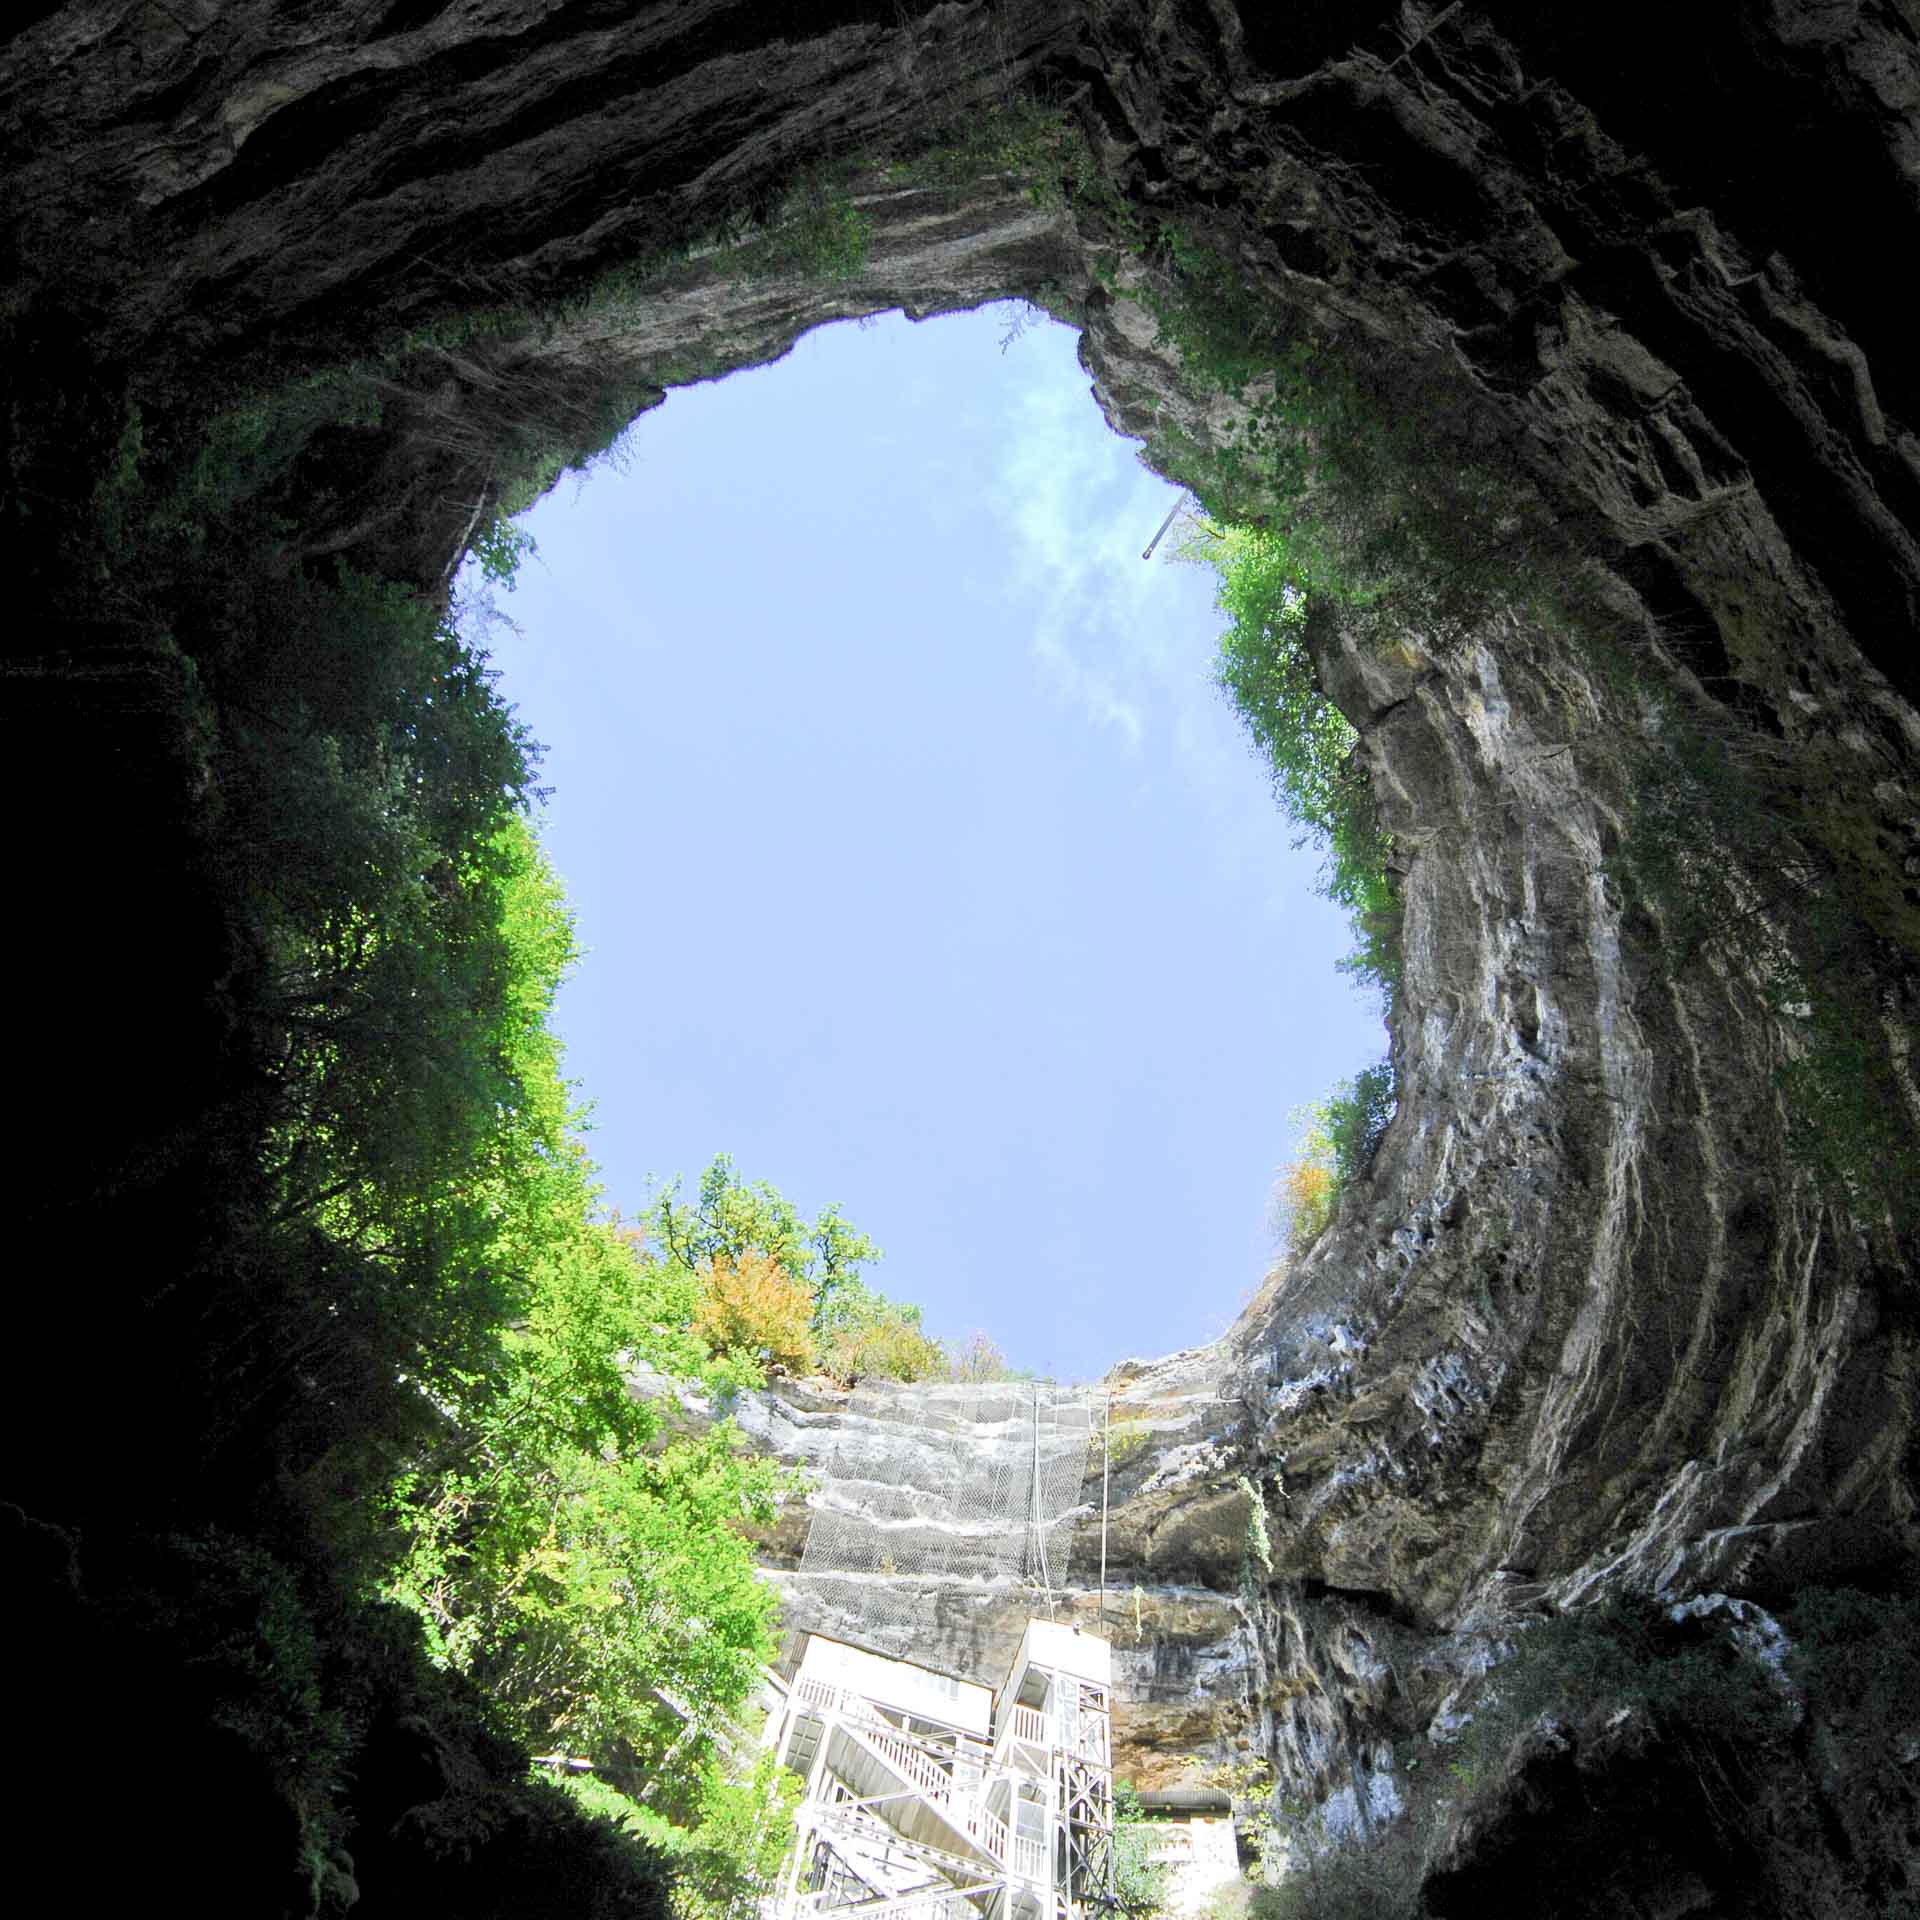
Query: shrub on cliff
x=1384 y=486
x=1725 y=847
x=1266 y=670
x=1303 y=1203
x=752 y=1306
x=1373 y=1879
x=1338 y=1136
x=1141 y=1883
x=1355 y=1115
x=817 y=232
x=759 y=1286
x=1857 y=1656
x=730 y=1218
x=1704 y=1692
x=887 y=1345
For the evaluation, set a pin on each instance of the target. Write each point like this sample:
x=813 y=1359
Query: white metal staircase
x=921 y=1801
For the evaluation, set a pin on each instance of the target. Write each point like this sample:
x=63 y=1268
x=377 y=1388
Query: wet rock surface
x=1589 y=1325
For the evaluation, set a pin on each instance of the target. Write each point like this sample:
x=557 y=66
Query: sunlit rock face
x=1177 y=1603
x=1587 y=1326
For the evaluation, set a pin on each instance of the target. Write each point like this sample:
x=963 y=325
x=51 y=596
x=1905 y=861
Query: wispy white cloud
x=1128 y=642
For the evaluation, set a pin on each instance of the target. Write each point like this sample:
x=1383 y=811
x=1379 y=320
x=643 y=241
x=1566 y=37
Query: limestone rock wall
x=1178 y=1606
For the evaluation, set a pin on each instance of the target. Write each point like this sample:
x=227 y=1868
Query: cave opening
x=920 y=866
x=1626 y=1304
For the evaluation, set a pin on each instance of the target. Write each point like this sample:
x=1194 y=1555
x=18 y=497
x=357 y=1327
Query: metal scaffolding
x=931 y=1795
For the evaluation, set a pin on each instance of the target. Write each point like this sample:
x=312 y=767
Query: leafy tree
x=1140 y=1883
x=1266 y=671
x=1305 y=1200
x=554 y=1547
x=732 y=1218
x=1337 y=1140
x=561 y=1555
x=1355 y=1115
x=981 y=1359
x=753 y=1305
x=725 y=1857
x=765 y=1287
x=889 y=1344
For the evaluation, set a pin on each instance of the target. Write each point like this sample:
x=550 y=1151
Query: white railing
x=989 y=1830
x=980 y=1823
x=934 y=1784
x=918 y=1769
x=1028 y=1723
x=929 y=1778
x=950 y=1904
x=913 y=1764
x=1029 y=1858
x=860 y=1826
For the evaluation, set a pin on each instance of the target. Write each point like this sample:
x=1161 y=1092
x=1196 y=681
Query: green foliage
x=1250 y=1784
x=118 y=490
x=1140 y=1883
x=1355 y=1115
x=1383 y=491
x=1303 y=1197
x=245 y=449
x=1702 y=1692
x=1702 y=831
x=757 y=1285
x=818 y=232
x=1337 y=1139
x=555 y=1549
x=726 y=1857
x=886 y=1343
x=1718 y=847
x=235 y=1618
x=401 y=1326
x=1231 y=1901
x=1128 y=1441
x=1847 y=1119
x=1857 y=1655
x=981 y=1360
x=1036 y=143
x=431 y=1202
x=754 y=1308
x=731 y=1217
x=1375 y=1880
x=1256 y=1562
x=500 y=546
x=1266 y=671
x=572 y=1585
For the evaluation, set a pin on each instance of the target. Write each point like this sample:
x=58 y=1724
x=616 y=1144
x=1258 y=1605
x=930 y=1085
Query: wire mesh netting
x=929 y=1484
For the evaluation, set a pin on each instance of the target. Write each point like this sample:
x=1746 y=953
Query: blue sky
x=918 y=864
